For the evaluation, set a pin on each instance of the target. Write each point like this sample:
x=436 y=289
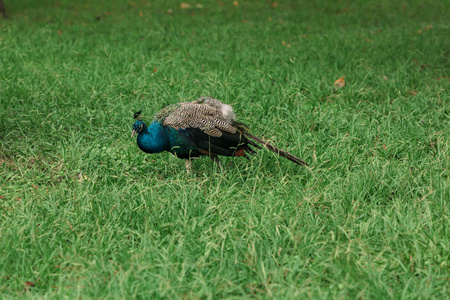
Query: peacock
x=205 y=126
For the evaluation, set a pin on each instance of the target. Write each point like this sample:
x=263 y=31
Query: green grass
x=369 y=219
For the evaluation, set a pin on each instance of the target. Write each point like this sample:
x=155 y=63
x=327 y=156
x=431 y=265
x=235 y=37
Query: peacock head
x=138 y=126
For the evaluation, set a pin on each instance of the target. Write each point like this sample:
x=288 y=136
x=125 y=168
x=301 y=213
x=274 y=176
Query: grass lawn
x=85 y=214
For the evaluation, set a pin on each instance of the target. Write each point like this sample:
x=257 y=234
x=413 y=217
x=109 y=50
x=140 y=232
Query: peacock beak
x=134 y=132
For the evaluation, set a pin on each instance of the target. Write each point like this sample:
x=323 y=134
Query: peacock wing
x=209 y=119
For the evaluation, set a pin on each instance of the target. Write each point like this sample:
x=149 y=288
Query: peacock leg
x=188 y=164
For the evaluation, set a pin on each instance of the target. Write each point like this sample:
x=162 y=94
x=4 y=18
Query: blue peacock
x=204 y=127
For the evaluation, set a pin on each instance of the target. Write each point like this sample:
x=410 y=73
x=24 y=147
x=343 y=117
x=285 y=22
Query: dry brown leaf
x=428 y=27
x=141 y=14
x=275 y=4
x=28 y=285
x=83 y=178
x=185 y=5
x=236 y=3
x=59 y=32
x=340 y=82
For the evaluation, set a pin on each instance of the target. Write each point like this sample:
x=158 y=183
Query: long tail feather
x=277 y=150
x=244 y=130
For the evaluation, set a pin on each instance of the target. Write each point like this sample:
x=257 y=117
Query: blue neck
x=153 y=139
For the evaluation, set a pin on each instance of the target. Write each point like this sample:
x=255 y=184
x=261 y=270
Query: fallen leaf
x=185 y=5
x=141 y=14
x=340 y=82
x=235 y=3
x=269 y=19
x=169 y=11
x=83 y=178
x=428 y=27
x=275 y=4
x=28 y=285
x=283 y=42
x=35 y=186
x=154 y=70
x=385 y=77
x=59 y=32
x=412 y=93
x=199 y=6
x=419 y=31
